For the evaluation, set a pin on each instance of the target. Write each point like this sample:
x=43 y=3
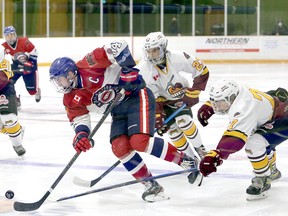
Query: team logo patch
x=90 y=59
x=176 y=91
x=105 y=95
x=3 y=100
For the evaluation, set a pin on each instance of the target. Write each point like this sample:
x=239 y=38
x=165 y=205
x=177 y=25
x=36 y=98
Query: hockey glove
x=82 y=143
x=191 y=97
x=280 y=93
x=209 y=163
x=159 y=119
x=129 y=80
x=28 y=67
x=204 y=113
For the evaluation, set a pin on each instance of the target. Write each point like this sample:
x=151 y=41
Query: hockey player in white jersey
x=251 y=114
x=175 y=78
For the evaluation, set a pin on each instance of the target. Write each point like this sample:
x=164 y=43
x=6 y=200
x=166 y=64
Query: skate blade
x=195 y=180
x=155 y=198
x=263 y=195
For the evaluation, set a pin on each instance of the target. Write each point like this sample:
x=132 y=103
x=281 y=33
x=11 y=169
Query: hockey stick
x=20 y=206
x=86 y=183
x=127 y=183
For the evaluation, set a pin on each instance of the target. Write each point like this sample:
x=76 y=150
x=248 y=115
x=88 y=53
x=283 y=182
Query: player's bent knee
x=121 y=146
x=139 y=142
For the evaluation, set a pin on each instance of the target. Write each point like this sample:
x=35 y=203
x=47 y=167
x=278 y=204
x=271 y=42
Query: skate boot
x=38 y=95
x=201 y=151
x=19 y=150
x=194 y=176
x=259 y=188
x=275 y=173
x=154 y=192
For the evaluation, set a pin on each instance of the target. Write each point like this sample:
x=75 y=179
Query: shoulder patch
x=90 y=59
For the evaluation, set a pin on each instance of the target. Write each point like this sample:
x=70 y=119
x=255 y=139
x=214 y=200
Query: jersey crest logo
x=175 y=90
x=105 y=95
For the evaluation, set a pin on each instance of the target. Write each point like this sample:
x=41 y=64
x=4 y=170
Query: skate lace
x=259 y=182
x=187 y=164
x=150 y=184
x=201 y=151
x=147 y=185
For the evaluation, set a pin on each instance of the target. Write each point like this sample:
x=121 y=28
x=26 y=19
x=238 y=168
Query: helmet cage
x=10 y=35
x=155 y=48
x=222 y=95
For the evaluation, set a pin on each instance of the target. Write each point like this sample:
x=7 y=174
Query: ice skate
x=154 y=192
x=194 y=176
x=275 y=173
x=19 y=150
x=38 y=95
x=201 y=151
x=259 y=188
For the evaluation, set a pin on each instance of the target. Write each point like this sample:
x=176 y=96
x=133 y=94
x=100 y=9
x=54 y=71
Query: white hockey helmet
x=2 y=53
x=155 y=47
x=222 y=94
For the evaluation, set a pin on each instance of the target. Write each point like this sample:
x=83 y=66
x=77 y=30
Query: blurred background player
x=280 y=28
x=24 y=57
x=249 y=110
x=96 y=79
x=167 y=73
x=8 y=109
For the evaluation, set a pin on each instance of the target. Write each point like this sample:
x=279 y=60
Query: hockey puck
x=9 y=194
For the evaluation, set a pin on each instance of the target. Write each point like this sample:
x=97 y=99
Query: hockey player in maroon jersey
x=96 y=79
x=24 y=57
x=9 y=123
